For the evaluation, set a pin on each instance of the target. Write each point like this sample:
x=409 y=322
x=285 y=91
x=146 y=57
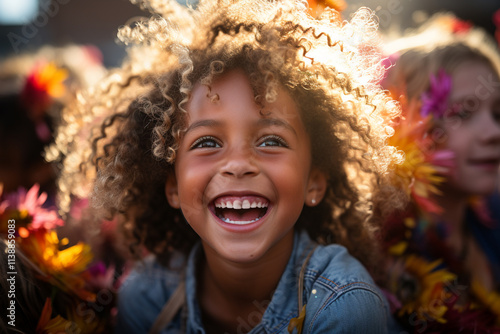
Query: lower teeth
x=244 y=222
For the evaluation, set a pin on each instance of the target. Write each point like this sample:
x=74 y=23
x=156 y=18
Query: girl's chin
x=483 y=185
x=241 y=256
x=239 y=251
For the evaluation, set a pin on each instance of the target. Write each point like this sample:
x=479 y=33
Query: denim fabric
x=340 y=296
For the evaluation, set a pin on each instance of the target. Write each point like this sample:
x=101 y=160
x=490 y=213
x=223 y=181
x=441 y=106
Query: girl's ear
x=171 y=191
x=316 y=187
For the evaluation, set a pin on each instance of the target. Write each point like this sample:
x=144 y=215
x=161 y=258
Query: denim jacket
x=340 y=296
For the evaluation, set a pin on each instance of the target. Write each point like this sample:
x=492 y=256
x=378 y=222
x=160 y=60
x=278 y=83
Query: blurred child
x=33 y=89
x=445 y=268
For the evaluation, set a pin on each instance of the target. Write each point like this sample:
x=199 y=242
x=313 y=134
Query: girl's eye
x=495 y=112
x=464 y=113
x=461 y=111
x=206 y=142
x=496 y=115
x=273 y=140
x=465 y=109
x=469 y=106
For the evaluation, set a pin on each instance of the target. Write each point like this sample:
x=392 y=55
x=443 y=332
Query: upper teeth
x=238 y=204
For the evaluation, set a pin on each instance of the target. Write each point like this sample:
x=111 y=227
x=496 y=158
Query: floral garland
x=431 y=297
x=424 y=167
x=88 y=288
x=425 y=284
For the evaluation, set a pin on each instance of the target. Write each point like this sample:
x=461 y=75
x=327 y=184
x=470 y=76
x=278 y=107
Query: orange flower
x=43 y=84
x=316 y=7
x=422 y=170
x=46 y=325
x=490 y=299
x=62 y=268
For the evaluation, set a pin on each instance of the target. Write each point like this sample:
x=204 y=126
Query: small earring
x=313 y=201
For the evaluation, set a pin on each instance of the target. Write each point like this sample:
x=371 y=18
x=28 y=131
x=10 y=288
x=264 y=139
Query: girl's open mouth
x=487 y=163
x=240 y=210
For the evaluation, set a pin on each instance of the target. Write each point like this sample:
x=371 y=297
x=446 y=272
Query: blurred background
x=26 y=25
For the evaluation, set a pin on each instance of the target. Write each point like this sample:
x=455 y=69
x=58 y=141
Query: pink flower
x=435 y=100
x=443 y=161
x=32 y=204
x=78 y=206
x=101 y=277
x=388 y=63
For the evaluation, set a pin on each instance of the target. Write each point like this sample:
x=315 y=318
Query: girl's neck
x=454 y=207
x=474 y=262
x=233 y=294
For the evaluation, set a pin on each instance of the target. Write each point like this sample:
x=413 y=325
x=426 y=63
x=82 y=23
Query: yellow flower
x=63 y=268
x=427 y=298
x=398 y=248
x=50 y=79
x=490 y=299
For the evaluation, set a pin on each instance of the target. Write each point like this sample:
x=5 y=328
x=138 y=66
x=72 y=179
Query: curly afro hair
x=134 y=120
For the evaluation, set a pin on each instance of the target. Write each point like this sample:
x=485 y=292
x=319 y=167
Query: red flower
x=43 y=84
x=459 y=26
x=496 y=21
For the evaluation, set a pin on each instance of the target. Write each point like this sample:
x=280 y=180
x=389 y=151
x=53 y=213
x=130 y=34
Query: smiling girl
x=244 y=165
x=446 y=257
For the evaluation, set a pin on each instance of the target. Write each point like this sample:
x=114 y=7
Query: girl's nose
x=239 y=163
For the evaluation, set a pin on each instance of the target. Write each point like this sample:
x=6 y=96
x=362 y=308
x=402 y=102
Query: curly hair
x=330 y=67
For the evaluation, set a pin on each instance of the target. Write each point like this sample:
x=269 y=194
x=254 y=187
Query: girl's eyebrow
x=276 y=122
x=202 y=123
x=262 y=122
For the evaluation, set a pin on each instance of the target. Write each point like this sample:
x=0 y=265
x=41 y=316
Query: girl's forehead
x=232 y=84
x=474 y=78
x=234 y=89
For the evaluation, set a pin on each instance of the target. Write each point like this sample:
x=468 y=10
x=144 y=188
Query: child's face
x=474 y=132
x=242 y=173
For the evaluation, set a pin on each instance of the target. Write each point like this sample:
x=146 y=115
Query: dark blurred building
x=60 y=22
x=96 y=21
